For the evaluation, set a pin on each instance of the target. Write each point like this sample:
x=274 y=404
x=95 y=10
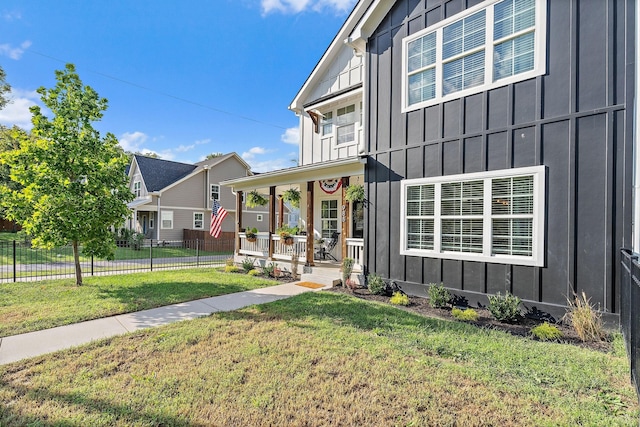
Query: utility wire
x=168 y=95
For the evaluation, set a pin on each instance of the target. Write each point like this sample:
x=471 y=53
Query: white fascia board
x=368 y=24
x=334 y=48
x=298 y=174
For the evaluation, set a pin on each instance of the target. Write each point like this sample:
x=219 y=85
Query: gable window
x=137 y=188
x=198 y=221
x=166 y=220
x=493 y=216
x=215 y=192
x=489 y=45
x=346 y=124
x=327 y=123
x=152 y=219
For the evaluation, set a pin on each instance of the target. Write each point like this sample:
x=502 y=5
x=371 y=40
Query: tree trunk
x=76 y=260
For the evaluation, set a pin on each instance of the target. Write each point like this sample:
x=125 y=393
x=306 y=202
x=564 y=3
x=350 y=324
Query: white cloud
x=291 y=136
x=17 y=111
x=251 y=154
x=271 y=164
x=132 y=141
x=11 y=16
x=202 y=141
x=184 y=148
x=14 y=52
x=297 y=6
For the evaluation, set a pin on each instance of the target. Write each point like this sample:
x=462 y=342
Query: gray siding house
x=500 y=141
x=173 y=196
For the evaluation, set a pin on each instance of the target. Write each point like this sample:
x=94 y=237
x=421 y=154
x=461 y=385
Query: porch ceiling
x=299 y=174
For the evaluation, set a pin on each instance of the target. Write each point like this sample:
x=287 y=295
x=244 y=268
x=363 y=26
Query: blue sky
x=183 y=78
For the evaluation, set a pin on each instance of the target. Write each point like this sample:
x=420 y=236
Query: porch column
x=238 y=220
x=280 y=212
x=310 y=223
x=272 y=218
x=346 y=216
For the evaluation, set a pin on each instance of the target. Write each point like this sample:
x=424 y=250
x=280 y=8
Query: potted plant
x=355 y=193
x=255 y=199
x=292 y=196
x=251 y=234
x=286 y=234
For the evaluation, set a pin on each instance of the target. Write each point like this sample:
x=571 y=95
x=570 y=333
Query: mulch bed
x=421 y=306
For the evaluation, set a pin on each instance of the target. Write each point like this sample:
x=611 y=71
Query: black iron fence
x=20 y=261
x=630 y=310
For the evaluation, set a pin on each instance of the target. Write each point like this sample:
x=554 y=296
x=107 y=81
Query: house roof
x=158 y=173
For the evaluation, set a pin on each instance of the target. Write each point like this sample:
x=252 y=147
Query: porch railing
x=355 y=250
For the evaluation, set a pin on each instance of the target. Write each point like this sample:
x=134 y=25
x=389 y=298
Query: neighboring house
x=173 y=196
x=498 y=138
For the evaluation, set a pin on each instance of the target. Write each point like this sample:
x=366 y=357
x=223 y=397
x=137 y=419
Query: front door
x=357 y=220
x=144 y=224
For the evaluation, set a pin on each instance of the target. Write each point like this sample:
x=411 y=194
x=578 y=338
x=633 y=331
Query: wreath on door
x=330 y=186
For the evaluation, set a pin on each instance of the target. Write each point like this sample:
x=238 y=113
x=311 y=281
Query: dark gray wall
x=573 y=120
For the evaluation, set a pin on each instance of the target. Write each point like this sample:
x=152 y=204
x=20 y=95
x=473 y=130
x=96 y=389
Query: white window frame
x=346 y=124
x=259 y=217
x=137 y=188
x=166 y=216
x=152 y=219
x=216 y=191
x=196 y=220
x=537 y=257
x=539 y=67
x=329 y=127
x=323 y=219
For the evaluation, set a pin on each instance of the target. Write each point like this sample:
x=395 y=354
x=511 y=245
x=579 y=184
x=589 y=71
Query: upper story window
x=493 y=216
x=215 y=192
x=493 y=44
x=327 y=123
x=137 y=188
x=346 y=124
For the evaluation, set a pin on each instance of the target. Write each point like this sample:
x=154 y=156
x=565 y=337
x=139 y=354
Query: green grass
x=320 y=359
x=31 y=306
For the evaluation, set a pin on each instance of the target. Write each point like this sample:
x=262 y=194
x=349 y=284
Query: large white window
x=493 y=216
x=198 y=221
x=137 y=188
x=329 y=217
x=495 y=43
x=342 y=123
x=166 y=220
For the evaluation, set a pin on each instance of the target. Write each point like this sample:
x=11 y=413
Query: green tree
x=213 y=156
x=74 y=188
x=4 y=89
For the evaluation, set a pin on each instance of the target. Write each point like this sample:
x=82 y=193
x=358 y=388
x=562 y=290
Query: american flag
x=217 y=215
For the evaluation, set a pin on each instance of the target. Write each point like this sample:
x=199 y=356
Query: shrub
x=229 y=261
x=268 y=269
x=347 y=268
x=505 y=308
x=439 y=297
x=399 y=298
x=546 y=332
x=248 y=264
x=468 y=315
x=254 y=272
x=231 y=269
x=375 y=284
x=585 y=319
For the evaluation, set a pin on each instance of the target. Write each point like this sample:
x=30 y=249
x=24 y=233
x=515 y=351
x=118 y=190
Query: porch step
x=322 y=276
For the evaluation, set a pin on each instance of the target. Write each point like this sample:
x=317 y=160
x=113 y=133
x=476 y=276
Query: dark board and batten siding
x=573 y=120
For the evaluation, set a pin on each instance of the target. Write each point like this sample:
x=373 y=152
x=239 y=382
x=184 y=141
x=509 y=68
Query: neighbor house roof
x=158 y=173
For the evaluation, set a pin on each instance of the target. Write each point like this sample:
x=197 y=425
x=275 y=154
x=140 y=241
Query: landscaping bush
x=468 y=315
x=254 y=272
x=439 y=297
x=231 y=268
x=347 y=268
x=248 y=264
x=546 y=332
x=229 y=261
x=505 y=308
x=399 y=298
x=375 y=284
x=268 y=269
x=585 y=319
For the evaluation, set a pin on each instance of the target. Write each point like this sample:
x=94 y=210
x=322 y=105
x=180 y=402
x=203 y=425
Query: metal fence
x=20 y=261
x=630 y=310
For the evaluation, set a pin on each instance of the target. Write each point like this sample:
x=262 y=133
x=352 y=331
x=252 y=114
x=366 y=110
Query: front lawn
x=31 y=306
x=320 y=359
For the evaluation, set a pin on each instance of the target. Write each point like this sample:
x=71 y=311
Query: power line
x=159 y=92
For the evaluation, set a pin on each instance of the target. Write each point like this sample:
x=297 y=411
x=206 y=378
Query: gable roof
x=158 y=174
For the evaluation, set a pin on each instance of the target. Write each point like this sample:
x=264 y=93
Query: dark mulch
x=421 y=306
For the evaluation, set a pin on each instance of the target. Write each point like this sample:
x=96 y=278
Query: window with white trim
x=327 y=123
x=495 y=43
x=215 y=192
x=346 y=124
x=137 y=188
x=328 y=217
x=198 y=221
x=166 y=220
x=493 y=216
x=152 y=219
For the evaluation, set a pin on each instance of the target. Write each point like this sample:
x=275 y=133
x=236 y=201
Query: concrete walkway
x=18 y=347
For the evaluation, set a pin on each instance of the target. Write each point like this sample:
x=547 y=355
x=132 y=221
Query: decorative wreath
x=330 y=186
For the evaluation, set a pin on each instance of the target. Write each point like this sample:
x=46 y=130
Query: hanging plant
x=355 y=193
x=255 y=199
x=292 y=196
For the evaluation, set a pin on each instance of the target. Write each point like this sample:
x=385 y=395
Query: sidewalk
x=18 y=347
